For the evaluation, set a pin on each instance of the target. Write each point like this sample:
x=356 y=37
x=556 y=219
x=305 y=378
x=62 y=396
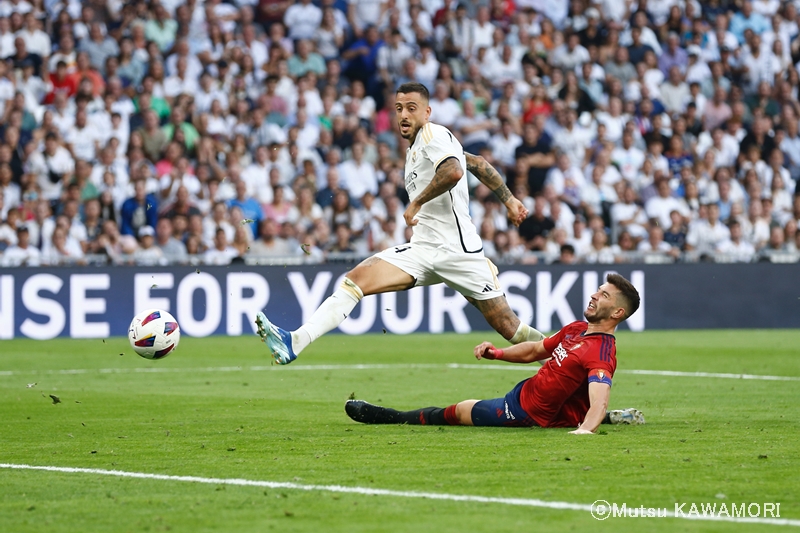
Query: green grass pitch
x=706 y=439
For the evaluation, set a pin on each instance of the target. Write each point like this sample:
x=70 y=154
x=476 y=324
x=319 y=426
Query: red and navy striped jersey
x=558 y=395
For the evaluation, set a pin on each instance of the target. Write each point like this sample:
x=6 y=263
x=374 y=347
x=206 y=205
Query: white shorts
x=473 y=275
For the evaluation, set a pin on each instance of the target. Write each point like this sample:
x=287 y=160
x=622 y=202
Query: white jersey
x=444 y=221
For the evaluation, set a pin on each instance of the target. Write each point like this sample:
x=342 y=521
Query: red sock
x=450 y=416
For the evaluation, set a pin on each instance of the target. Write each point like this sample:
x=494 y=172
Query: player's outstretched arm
x=447 y=175
x=489 y=176
x=524 y=352
x=598 y=403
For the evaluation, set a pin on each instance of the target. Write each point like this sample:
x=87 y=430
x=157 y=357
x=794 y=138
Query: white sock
x=328 y=316
x=526 y=333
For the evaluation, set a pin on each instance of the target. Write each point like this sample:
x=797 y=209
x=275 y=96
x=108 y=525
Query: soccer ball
x=154 y=334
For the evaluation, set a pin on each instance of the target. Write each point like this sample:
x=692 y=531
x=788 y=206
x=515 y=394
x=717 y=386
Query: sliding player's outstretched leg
x=367 y=413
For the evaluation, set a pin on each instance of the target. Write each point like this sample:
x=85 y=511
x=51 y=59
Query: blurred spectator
x=251 y=209
x=707 y=234
x=148 y=253
x=734 y=247
x=171 y=248
x=604 y=109
x=22 y=253
x=221 y=253
x=139 y=210
x=269 y=244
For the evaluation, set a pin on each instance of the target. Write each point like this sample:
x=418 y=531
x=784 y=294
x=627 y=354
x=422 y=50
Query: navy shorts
x=505 y=411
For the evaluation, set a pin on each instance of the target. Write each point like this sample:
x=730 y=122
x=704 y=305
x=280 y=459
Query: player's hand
x=485 y=350
x=411 y=211
x=516 y=211
x=581 y=431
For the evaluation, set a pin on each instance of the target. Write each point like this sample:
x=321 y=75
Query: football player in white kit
x=445 y=246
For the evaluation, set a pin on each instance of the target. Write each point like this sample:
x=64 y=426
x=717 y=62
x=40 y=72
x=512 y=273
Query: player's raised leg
x=371 y=276
x=499 y=315
x=475 y=277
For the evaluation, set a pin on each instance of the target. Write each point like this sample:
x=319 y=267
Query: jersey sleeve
x=551 y=342
x=598 y=375
x=600 y=362
x=440 y=144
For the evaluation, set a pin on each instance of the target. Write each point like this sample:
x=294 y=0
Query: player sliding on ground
x=445 y=247
x=571 y=389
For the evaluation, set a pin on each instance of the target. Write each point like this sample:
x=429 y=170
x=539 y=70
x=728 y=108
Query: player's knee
x=464 y=412
x=352 y=288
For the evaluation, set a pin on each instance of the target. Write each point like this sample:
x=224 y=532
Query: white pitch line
x=387 y=366
x=366 y=491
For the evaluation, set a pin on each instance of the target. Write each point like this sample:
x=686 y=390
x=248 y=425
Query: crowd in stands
x=211 y=132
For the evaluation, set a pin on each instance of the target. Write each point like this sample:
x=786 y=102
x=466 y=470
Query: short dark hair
x=414 y=87
x=628 y=293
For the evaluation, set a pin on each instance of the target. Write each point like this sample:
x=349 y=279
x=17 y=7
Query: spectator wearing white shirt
x=181 y=82
x=705 y=234
x=735 y=247
x=51 y=167
x=22 y=253
x=217 y=219
x=758 y=65
x=36 y=41
x=572 y=139
x=508 y=68
x=302 y=19
x=675 y=92
x=307 y=131
x=254 y=47
x=597 y=195
x=475 y=128
x=629 y=215
x=207 y=92
x=6 y=37
x=9 y=191
x=194 y=67
x=256 y=174
x=790 y=146
x=613 y=120
x=444 y=110
x=628 y=158
x=427 y=66
x=82 y=137
x=570 y=55
x=567 y=181
x=363 y=13
x=148 y=253
x=63 y=249
x=655 y=242
x=504 y=143
x=697 y=70
x=358 y=176
x=222 y=253
x=391 y=57
x=659 y=207
x=482 y=29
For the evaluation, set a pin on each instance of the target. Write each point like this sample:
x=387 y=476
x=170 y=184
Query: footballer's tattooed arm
x=489 y=176
x=447 y=175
